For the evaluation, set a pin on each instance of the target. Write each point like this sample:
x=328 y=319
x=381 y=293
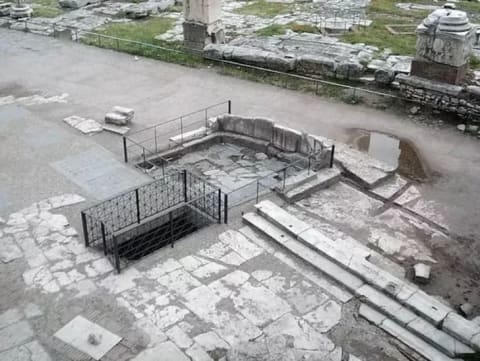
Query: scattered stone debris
x=414 y=110
x=119 y=116
x=422 y=273
x=466 y=309
x=86 y=126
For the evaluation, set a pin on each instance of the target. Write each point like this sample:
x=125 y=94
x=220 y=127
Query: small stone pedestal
x=20 y=11
x=444 y=44
x=203 y=24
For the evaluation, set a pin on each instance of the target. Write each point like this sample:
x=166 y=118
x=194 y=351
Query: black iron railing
x=138 y=221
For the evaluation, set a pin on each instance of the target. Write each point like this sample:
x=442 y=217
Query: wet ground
x=391 y=150
x=36 y=143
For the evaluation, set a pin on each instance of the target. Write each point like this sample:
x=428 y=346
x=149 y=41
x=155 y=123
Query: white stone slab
x=9 y=317
x=390 y=187
x=281 y=218
x=240 y=244
x=117 y=129
x=9 y=251
x=179 y=337
x=259 y=305
x=225 y=286
x=210 y=341
x=232 y=258
x=65 y=200
x=197 y=353
x=166 y=350
x=77 y=331
x=209 y=270
x=324 y=317
x=121 y=282
x=86 y=126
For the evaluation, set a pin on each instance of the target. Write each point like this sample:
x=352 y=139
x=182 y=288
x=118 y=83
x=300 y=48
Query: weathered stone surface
x=281 y=218
x=462 y=329
x=167 y=350
x=422 y=273
x=316 y=65
x=280 y=63
x=73 y=4
x=349 y=70
x=384 y=76
x=250 y=56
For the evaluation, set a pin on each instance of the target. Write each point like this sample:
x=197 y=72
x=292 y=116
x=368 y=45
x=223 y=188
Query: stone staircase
x=400 y=308
x=306 y=182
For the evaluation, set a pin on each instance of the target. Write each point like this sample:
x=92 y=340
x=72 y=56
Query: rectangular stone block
x=461 y=328
x=263 y=129
x=429 y=307
x=439 y=72
x=281 y=218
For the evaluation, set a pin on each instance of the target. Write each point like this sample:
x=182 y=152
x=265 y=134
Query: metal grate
x=135 y=223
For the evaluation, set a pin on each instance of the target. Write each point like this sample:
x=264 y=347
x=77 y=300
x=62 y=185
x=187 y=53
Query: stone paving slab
x=76 y=333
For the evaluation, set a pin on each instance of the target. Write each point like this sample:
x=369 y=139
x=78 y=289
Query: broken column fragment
x=444 y=44
x=119 y=116
x=422 y=273
x=203 y=24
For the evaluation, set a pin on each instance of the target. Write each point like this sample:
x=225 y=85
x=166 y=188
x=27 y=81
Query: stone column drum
x=203 y=24
x=444 y=43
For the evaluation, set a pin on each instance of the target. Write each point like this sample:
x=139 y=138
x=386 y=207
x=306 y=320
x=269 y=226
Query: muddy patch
x=391 y=150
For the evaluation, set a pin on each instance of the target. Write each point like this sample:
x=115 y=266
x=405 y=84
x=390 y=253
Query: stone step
x=403 y=292
x=381 y=302
x=413 y=323
x=324 y=265
x=324 y=178
x=402 y=334
x=296 y=180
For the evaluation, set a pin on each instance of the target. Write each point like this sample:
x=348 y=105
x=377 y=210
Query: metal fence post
x=185 y=194
x=85 y=229
x=137 y=201
x=170 y=220
x=219 y=206
x=284 y=177
x=258 y=185
x=309 y=161
x=225 y=208
x=125 y=150
x=332 y=155
x=229 y=107
x=206 y=118
x=115 y=253
x=102 y=226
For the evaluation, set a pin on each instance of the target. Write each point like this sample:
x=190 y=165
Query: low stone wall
x=283 y=138
x=303 y=64
x=463 y=101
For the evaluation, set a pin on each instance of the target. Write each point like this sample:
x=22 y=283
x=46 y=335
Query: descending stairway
x=400 y=308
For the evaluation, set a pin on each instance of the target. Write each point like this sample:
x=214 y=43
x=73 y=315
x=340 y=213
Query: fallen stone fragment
x=86 y=126
x=422 y=273
x=466 y=309
x=115 y=118
x=461 y=127
x=116 y=129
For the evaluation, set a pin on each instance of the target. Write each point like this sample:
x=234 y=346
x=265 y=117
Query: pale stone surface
x=191 y=263
x=197 y=353
x=209 y=270
x=390 y=187
x=15 y=334
x=167 y=350
x=228 y=284
x=9 y=317
x=261 y=275
x=86 y=126
x=211 y=341
x=259 y=305
x=32 y=310
x=122 y=282
x=76 y=332
x=168 y=266
x=325 y=316
x=168 y=316
x=9 y=251
x=179 y=337
x=179 y=282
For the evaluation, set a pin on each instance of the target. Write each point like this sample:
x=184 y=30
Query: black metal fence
x=140 y=145
x=138 y=221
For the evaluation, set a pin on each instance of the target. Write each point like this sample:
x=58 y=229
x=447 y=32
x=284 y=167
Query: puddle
x=391 y=150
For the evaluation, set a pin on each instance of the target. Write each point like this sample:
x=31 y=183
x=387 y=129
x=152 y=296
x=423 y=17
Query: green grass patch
x=46 y=8
x=474 y=62
x=264 y=9
x=377 y=35
x=277 y=29
x=271 y=30
x=303 y=28
x=144 y=32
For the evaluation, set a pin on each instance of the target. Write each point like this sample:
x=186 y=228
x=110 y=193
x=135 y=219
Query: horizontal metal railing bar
x=177 y=118
x=128 y=190
x=161 y=213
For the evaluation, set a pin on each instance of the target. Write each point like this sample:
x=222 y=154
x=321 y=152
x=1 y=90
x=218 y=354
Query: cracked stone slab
x=240 y=244
x=31 y=351
x=86 y=126
x=9 y=250
x=15 y=334
x=325 y=316
x=76 y=333
x=167 y=350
